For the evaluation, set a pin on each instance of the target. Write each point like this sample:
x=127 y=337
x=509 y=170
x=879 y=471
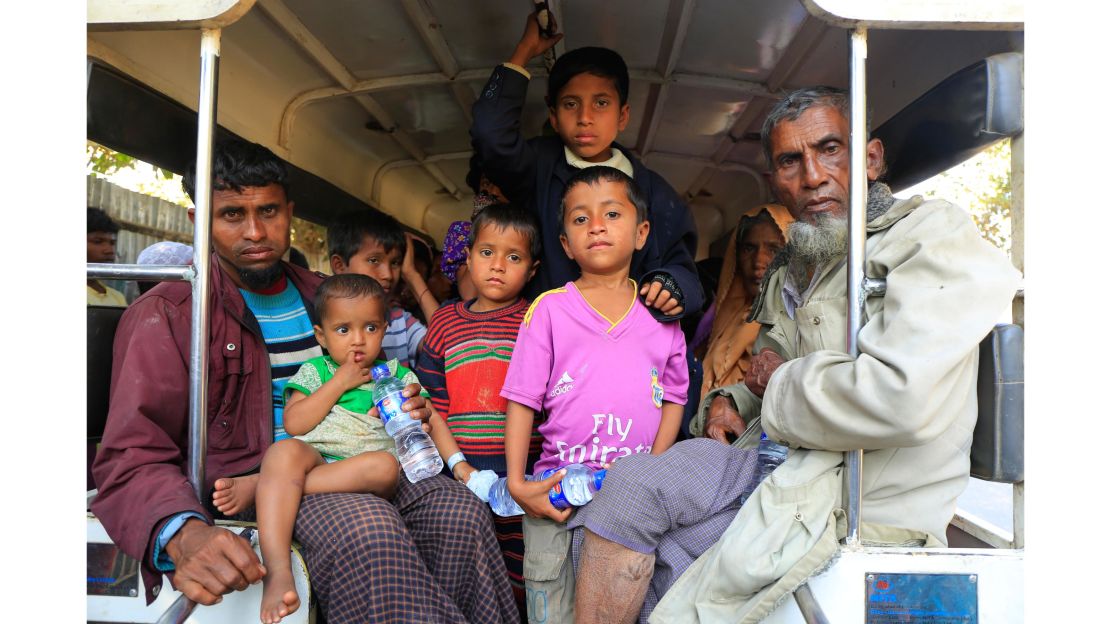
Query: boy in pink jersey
x=611 y=379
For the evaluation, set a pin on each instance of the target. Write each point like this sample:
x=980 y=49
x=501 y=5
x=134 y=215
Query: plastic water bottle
x=577 y=488
x=415 y=450
x=501 y=502
x=771 y=456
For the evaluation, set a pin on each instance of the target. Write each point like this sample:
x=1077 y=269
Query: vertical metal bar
x=857 y=237
x=179 y=611
x=807 y=604
x=198 y=340
x=1019 y=514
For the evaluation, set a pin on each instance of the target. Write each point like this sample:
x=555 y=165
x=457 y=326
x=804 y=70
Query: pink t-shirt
x=601 y=384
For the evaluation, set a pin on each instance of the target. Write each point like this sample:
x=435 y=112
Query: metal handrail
x=807 y=604
x=180 y=610
x=149 y=272
x=198 y=276
x=857 y=238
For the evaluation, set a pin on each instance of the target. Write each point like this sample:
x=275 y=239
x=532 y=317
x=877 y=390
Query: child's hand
x=532 y=44
x=463 y=471
x=532 y=497
x=351 y=374
x=408 y=262
x=656 y=296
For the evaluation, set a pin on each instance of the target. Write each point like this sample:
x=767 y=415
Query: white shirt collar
x=617 y=161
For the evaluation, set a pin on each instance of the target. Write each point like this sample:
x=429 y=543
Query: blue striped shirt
x=403 y=335
x=287 y=330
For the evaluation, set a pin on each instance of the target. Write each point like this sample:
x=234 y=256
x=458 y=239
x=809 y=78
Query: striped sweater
x=462 y=364
x=287 y=331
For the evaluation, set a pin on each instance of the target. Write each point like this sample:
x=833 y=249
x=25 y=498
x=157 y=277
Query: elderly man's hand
x=723 y=420
x=210 y=562
x=759 y=374
x=416 y=406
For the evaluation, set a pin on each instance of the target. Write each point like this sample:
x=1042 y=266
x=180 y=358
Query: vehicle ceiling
x=374 y=96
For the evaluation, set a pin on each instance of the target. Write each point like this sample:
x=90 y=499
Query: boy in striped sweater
x=466 y=352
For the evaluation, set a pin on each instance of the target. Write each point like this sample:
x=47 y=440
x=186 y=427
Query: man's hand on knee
x=210 y=562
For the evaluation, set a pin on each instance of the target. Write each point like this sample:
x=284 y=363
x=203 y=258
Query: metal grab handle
x=807 y=604
x=183 y=607
x=179 y=611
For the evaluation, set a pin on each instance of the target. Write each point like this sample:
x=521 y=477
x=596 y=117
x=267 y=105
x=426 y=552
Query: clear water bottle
x=415 y=450
x=771 y=456
x=577 y=488
x=501 y=502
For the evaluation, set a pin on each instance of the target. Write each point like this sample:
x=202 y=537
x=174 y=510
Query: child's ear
x=642 y=233
x=319 y=332
x=532 y=271
x=338 y=266
x=566 y=246
x=626 y=114
x=552 y=119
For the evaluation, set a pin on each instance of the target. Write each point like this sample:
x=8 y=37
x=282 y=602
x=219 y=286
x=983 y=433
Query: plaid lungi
x=675 y=505
x=430 y=556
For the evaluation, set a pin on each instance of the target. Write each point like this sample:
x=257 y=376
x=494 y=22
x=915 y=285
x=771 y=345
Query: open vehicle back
x=369 y=104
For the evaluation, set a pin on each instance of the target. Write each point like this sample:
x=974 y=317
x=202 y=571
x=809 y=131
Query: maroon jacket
x=141 y=467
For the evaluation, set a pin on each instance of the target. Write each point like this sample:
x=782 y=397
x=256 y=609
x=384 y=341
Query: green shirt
x=347 y=430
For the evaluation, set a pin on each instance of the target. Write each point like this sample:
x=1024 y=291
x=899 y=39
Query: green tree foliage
x=981 y=185
x=104 y=162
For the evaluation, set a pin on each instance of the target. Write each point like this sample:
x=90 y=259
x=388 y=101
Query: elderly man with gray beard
x=673 y=524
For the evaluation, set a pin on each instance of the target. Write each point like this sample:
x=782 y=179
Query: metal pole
x=150 y=272
x=198 y=340
x=180 y=610
x=807 y=604
x=857 y=237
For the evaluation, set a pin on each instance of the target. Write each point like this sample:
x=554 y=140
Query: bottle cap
x=379 y=371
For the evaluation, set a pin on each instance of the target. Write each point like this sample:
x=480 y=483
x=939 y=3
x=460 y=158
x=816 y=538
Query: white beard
x=813 y=246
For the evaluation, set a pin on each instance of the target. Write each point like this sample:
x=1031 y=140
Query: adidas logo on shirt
x=563 y=386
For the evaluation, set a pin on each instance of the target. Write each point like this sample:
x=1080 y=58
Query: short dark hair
x=508 y=216
x=99 y=221
x=601 y=62
x=346 y=286
x=602 y=173
x=237 y=164
x=347 y=233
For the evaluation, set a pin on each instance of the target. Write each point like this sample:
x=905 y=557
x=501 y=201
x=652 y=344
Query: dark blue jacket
x=533 y=173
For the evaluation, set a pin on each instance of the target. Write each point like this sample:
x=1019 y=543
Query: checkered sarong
x=430 y=556
x=675 y=505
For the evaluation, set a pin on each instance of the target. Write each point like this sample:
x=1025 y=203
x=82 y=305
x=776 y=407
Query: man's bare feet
x=279 y=596
x=234 y=494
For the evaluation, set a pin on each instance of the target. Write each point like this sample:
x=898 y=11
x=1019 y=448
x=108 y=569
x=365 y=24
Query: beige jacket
x=909 y=400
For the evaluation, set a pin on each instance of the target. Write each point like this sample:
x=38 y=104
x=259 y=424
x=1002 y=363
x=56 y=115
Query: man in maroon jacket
x=432 y=550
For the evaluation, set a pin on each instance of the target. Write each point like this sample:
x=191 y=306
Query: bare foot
x=279 y=596
x=234 y=494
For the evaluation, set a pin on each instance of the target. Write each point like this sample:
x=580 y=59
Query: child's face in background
x=600 y=231
x=374 y=261
x=499 y=265
x=352 y=325
x=588 y=115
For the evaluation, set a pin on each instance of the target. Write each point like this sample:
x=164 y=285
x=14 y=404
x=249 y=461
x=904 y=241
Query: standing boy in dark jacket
x=587 y=99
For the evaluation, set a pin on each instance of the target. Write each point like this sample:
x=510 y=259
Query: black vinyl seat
x=997 y=447
x=101 y=323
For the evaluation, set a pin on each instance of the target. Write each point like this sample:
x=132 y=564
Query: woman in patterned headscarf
x=758 y=236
